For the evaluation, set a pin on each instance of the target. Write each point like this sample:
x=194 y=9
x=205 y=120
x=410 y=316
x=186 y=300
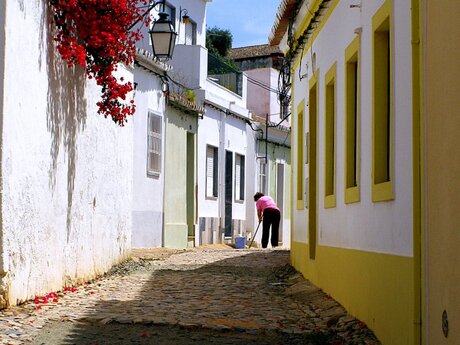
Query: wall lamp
x=185 y=16
x=162 y=34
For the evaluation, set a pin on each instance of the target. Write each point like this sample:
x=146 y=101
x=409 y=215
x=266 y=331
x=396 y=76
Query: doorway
x=190 y=188
x=228 y=192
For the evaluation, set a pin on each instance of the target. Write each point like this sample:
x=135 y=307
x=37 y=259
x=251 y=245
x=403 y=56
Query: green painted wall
x=180 y=155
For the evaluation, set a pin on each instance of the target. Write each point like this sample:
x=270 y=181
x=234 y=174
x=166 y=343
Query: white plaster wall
x=258 y=97
x=196 y=10
x=261 y=101
x=236 y=142
x=67 y=172
x=2 y=79
x=384 y=226
x=147 y=189
x=209 y=133
x=190 y=66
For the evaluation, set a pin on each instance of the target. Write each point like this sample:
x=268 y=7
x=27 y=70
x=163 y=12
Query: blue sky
x=249 y=21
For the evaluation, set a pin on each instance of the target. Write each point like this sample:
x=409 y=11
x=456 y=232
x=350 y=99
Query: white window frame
x=263 y=176
x=191 y=24
x=154 y=143
x=240 y=167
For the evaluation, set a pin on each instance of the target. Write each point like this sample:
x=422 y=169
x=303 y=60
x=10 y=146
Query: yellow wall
x=442 y=169
x=364 y=283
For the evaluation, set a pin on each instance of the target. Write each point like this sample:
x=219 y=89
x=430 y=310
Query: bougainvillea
x=95 y=35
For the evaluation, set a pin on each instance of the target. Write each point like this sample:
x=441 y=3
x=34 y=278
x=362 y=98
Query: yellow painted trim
x=364 y=283
x=352 y=193
x=292 y=196
x=315 y=34
x=330 y=201
x=383 y=191
x=313 y=177
x=331 y=74
x=418 y=176
x=313 y=80
x=307 y=19
x=330 y=78
x=300 y=144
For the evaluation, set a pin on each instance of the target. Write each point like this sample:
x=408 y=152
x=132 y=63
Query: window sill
x=153 y=175
x=300 y=205
x=329 y=201
x=382 y=191
x=352 y=195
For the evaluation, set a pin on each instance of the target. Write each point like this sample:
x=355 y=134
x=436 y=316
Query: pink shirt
x=265 y=202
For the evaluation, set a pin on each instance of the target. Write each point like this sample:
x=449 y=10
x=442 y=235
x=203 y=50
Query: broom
x=253 y=237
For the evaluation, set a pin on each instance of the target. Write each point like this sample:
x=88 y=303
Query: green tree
x=219 y=41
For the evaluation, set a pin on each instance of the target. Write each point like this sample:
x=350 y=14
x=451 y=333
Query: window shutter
x=154 y=143
x=242 y=178
x=211 y=171
x=237 y=176
x=215 y=171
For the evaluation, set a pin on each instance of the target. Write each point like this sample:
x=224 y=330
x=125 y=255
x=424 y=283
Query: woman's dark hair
x=258 y=195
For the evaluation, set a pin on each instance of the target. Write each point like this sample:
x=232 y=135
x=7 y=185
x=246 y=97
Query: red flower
x=94 y=35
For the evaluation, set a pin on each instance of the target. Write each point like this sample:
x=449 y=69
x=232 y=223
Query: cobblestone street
x=213 y=295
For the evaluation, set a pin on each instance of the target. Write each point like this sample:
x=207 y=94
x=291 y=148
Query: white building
x=66 y=172
x=222 y=140
x=270 y=135
x=148 y=151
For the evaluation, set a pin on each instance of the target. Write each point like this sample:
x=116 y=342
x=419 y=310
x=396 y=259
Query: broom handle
x=253 y=237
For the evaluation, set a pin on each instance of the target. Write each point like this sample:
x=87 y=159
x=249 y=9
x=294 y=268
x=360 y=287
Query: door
x=228 y=192
x=191 y=187
x=280 y=195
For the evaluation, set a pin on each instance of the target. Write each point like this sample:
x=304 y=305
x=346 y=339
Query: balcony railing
x=224 y=74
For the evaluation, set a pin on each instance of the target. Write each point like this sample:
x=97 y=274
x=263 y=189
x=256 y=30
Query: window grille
x=154 y=144
x=262 y=176
x=211 y=171
x=239 y=177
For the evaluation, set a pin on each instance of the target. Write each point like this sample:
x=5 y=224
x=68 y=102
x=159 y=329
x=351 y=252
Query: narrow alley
x=206 y=295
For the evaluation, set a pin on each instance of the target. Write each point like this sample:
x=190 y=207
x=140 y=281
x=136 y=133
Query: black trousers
x=271 y=219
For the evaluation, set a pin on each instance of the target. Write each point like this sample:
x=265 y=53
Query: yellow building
x=375 y=156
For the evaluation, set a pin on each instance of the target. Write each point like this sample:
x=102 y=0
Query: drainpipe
x=266 y=141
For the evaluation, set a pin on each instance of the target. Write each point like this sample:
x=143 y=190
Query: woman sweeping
x=267 y=209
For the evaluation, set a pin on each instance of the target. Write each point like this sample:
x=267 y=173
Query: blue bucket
x=240 y=242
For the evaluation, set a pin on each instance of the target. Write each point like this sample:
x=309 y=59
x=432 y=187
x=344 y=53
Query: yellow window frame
x=382 y=105
x=330 y=159
x=300 y=124
x=352 y=122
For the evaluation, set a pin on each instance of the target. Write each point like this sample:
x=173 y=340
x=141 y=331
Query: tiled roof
x=150 y=61
x=285 y=11
x=253 y=51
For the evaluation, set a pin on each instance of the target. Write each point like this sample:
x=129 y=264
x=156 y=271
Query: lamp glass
x=163 y=37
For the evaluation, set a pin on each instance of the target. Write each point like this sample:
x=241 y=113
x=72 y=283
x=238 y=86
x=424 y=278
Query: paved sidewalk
x=216 y=287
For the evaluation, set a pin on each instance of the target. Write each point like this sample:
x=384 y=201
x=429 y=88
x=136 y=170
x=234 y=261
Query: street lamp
x=162 y=34
x=163 y=37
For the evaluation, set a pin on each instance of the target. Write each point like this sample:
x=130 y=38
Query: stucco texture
x=67 y=172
